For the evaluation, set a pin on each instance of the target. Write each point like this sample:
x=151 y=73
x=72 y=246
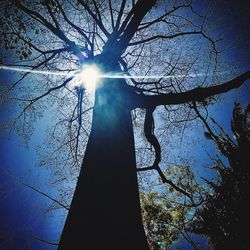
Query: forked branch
x=152 y=139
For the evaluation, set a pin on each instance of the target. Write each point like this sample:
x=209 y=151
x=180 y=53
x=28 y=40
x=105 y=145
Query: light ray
x=43 y=72
x=152 y=76
x=112 y=76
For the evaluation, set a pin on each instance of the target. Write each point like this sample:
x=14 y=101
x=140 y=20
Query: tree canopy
x=160 y=60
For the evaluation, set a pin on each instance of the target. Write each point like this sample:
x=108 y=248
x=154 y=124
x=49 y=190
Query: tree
x=223 y=207
x=224 y=214
x=133 y=44
x=168 y=212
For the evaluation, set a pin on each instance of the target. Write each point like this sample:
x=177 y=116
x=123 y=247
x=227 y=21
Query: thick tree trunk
x=105 y=211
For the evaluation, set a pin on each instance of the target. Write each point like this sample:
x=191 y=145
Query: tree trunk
x=105 y=211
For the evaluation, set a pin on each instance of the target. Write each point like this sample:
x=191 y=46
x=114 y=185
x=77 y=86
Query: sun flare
x=89 y=77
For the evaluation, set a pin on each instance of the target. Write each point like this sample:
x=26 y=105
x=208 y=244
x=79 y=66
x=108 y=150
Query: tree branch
x=197 y=94
x=127 y=29
x=111 y=14
x=138 y=12
x=92 y=14
x=161 y=18
x=149 y=134
x=157 y=37
x=33 y=68
x=78 y=29
x=47 y=241
x=120 y=14
x=55 y=30
x=34 y=100
x=35 y=189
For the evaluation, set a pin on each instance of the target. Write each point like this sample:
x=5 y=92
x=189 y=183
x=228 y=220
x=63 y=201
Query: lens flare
x=89 y=77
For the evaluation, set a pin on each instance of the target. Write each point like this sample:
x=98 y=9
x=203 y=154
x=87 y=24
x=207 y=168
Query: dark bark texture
x=105 y=211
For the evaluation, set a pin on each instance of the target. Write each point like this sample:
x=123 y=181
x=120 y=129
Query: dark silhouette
x=105 y=210
x=224 y=215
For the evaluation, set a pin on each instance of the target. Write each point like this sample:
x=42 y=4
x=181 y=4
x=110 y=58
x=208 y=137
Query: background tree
x=134 y=45
x=223 y=209
x=168 y=212
x=224 y=214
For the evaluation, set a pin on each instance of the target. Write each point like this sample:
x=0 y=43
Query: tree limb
x=197 y=94
x=47 y=241
x=149 y=134
x=157 y=37
x=35 y=189
x=140 y=9
x=55 y=30
x=92 y=14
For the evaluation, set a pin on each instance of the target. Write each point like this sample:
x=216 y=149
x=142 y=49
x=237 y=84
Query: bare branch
x=157 y=37
x=111 y=14
x=56 y=243
x=55 y=30
x=73 y=25
x=46 y=195
x=140 y=9
x=33 y=68
x=197 y=94
x=34 y=100
x=149 y=134
x=98 y=22
x=35 y=189
x=161 y=18
x=120 y=15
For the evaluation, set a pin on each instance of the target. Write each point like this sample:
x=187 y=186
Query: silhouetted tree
x=132 y=38
x=224 y=215
x=223 y=211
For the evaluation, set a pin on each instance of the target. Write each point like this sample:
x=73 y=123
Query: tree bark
x=105 y=210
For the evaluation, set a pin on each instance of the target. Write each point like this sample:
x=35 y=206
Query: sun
x=89 y=77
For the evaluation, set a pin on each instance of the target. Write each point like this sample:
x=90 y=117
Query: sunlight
x=89 y=77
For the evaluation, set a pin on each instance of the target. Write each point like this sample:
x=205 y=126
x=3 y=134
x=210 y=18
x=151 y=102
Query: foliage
x=224 y=216
x=168 y=212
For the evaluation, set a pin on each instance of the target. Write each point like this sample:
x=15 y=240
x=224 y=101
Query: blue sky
x=22 y=210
